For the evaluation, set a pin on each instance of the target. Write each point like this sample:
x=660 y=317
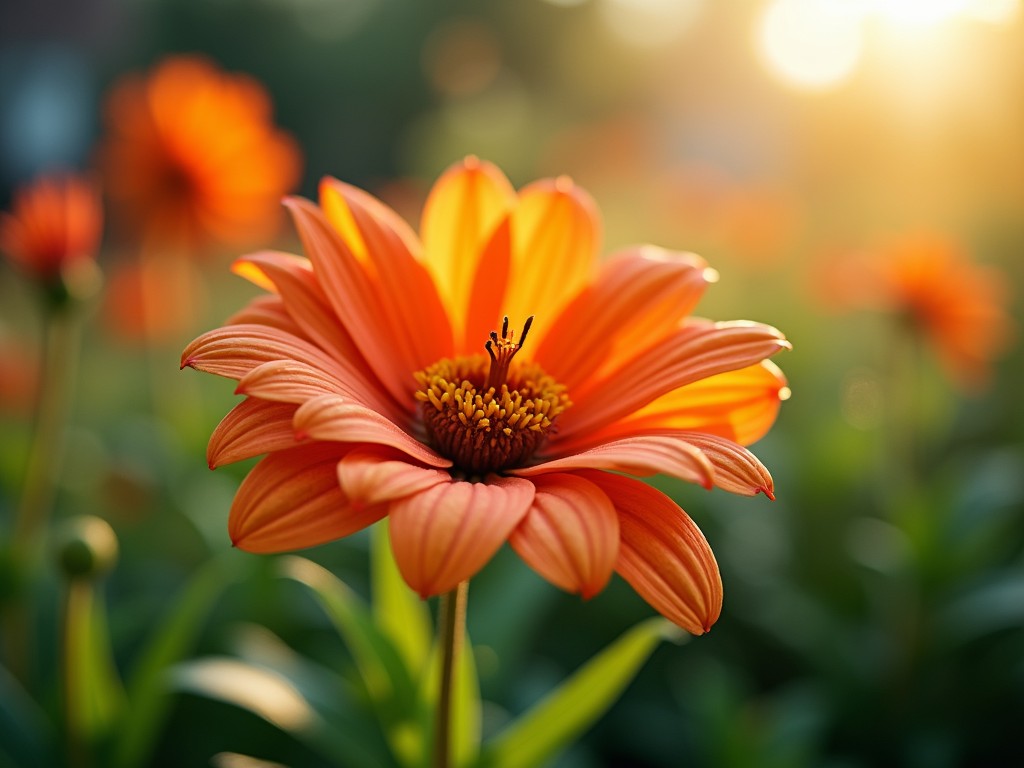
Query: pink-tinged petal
x=570 y=536
x=739 y=405
x=422 y=332
x=375 y=474
x=639 y=455
x=355 y=298
x=637 y=299
x=447 y=533
x=663 y=554
x=461 y=213
x=337 y=419
x=251 y=428
x=694 y=352
x=286 y=381
x=555 y=240
x=291 y=500
x=737 y=470
x=234 y=350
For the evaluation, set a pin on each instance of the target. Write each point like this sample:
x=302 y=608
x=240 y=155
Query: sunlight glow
x=810 y=44
x=817 y=44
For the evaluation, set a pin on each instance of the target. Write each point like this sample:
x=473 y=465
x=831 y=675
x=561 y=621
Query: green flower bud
x=86 y=547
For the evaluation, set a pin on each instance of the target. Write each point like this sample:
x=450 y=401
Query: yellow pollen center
x=485 y=413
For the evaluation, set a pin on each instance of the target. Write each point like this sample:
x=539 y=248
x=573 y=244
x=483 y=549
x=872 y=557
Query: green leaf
x=94 y=696
x=168 y=644
x=573 y=707
x=387 y=680
x=272 y=696
x=398 y=611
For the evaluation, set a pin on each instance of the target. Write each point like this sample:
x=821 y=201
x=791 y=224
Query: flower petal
x=447 y=533
x=663 y=554
x=336 y=419
x=354 y=296
x=737 y=470
x=739 y=405
x=375 y=474
x=637 y=299
x=291 y=500
x=266 y=310
x=570 y=535
x=292 y=277
x=463 y=209
x=287 y=381
x=637 y=455
x=695 y=352
x=251 y=428
x=234 y=350
x=555 y=240
x=421 y=330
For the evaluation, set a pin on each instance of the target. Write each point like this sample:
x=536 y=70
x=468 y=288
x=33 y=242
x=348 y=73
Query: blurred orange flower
x=54 y=227
x=192 y=155
x=958 y=306
x=382 y=381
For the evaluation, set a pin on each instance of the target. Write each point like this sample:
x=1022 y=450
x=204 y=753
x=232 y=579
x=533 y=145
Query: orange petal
x=374 y=474
x=291 y=500
x=695 y=352
x=555 y=241
x=355 y=299
x=737 y=470
x=638 y=455
x=570 y=535
x=287 y=381
x=234 y=350
x=636 y=300
x=487 y=297
x=663 y=554
x=444 y=535
x=740 y=405
x=337 y=419
x=266 y=310
x=292 y=276
x=251 y=428
x=338 y=213
x=463 y=209
x=421 y=331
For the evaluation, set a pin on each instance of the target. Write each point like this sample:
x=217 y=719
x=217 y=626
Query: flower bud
x=86 y=547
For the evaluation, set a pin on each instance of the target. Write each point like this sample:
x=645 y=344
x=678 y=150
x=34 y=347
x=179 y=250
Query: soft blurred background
x=874 y=613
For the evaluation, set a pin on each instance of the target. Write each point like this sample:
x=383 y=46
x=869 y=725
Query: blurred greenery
x=874 y=613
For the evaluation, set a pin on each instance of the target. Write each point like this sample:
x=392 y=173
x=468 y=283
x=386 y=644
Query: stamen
x=485 y=428
x=501 y=352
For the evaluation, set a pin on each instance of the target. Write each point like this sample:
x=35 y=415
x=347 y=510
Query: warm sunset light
x=817 y=45
x=810 y=44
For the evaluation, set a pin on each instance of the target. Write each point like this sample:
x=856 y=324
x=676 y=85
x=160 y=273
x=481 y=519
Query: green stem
x=60 y=361
x=61 y=357
x=452 y=621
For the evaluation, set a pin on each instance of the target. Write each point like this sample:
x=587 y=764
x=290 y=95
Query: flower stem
x=61 y=356
x=452 y=621
x=30 y=525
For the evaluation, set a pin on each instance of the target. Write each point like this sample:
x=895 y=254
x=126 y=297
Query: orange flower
x=54 y=228
x=193 y=156
x=958 y=306
x=381 y=380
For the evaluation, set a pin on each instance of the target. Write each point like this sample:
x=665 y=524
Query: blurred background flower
x=191 y=156
x=873 y=614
